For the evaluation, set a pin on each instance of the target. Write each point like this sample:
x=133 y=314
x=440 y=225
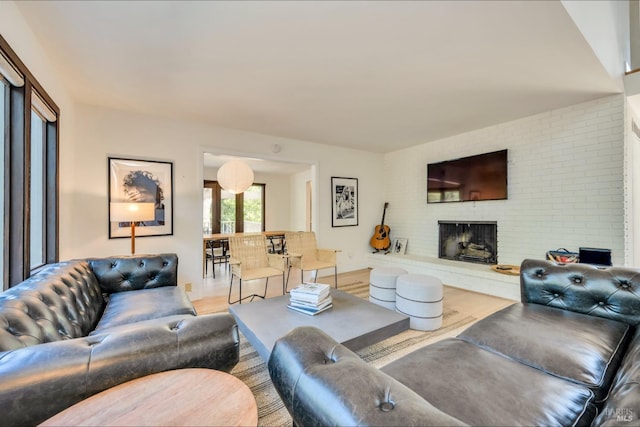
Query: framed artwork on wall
x=141 y=181
x=344 y=201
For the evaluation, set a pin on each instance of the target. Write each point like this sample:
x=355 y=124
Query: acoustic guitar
x=380 y=240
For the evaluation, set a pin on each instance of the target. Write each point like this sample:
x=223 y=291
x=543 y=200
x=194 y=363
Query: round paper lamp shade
x=235 y=176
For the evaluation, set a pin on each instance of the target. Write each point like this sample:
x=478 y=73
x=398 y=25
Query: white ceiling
x=378 y=76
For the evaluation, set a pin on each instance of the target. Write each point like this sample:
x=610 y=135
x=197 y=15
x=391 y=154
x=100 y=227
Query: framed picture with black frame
x=142 y=181
x=344 y=201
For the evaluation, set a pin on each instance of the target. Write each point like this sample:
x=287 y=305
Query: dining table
x=224 y=237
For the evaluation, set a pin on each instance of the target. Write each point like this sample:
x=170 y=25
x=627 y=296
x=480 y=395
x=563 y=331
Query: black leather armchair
x=80 y=327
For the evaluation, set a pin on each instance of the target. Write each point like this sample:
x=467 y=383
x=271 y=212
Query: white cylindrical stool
x=382 y=286
x=420 y=297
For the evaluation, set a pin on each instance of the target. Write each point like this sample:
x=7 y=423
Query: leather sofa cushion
x=574 y=346
x=63 y=301
x=322 y=383
x=135 y=306
x=609 y=292
x=480 y=387
x=622 y=406
x=132 y=273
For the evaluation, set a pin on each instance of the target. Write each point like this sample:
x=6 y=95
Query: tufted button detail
x=556 y=295
x=386 y=406
x=165 y=263
x=141 y=264
x=601 y=303
x=114 y=264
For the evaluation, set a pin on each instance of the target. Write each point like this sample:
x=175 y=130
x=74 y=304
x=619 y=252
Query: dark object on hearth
x=596 y=256
x=563 y=256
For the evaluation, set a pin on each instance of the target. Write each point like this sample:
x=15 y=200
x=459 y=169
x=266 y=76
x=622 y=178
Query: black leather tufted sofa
x=80 y=327
x=567 y=355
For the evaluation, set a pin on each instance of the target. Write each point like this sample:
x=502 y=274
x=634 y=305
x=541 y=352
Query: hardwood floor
x=216 y=291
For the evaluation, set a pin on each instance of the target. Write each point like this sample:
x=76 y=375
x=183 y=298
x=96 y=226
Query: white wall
x=102 y=132
x=565 y=184
x=632 y=190
x=605 y=26
x=298 y=211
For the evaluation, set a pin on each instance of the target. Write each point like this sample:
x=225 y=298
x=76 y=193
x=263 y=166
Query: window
x=253 y=211
x=36 y=210
x=3 y=101
x=29 y=186
x=227 y=213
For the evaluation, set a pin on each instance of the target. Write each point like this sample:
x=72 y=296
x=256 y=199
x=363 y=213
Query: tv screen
x=474 y=178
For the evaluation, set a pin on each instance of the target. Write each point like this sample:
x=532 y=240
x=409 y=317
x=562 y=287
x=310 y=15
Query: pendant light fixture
x=235 y=176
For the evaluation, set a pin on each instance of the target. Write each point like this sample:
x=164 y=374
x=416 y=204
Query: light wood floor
x=216 y=291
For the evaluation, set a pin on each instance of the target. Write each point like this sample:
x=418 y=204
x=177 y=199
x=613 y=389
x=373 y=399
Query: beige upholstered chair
x=250 y=260
x=303 y=253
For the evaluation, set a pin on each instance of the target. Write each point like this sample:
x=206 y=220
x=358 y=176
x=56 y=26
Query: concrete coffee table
x=353 y=321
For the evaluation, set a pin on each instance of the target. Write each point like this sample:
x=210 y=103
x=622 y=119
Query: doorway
x=309 y=208
x=287 y=198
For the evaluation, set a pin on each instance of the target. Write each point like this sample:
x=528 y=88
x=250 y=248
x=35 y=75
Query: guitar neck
x=384 y=212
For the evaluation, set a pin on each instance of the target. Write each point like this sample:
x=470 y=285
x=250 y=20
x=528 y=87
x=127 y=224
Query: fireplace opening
x=469 y=241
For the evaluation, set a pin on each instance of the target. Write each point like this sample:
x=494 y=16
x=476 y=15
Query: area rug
x=252 y=370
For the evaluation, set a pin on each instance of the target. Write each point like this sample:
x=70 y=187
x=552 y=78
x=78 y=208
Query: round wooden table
x=184 y=397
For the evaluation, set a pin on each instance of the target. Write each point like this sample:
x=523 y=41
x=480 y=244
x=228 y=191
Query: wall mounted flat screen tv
x=468 y=179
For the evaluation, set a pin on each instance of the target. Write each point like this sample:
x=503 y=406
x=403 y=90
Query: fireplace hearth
x=469 y=241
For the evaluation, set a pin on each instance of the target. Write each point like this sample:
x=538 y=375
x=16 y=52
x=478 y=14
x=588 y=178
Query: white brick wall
x=565 y=184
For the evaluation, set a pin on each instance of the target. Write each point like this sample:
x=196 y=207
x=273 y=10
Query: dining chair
x=250 y=260
x=218 y=253
x=277 y=244
x=303 y=253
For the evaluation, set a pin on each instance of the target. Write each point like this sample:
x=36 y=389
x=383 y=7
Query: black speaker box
x=595 y=256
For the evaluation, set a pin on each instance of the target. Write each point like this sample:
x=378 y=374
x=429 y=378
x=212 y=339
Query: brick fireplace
x=469 y=241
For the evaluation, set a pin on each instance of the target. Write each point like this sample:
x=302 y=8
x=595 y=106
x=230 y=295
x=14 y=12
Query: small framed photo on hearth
x=399 y=246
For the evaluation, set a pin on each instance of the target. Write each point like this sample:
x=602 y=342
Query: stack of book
x=310 y=298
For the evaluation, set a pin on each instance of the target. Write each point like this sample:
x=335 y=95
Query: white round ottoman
x=382 y=286
x=420 y=297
